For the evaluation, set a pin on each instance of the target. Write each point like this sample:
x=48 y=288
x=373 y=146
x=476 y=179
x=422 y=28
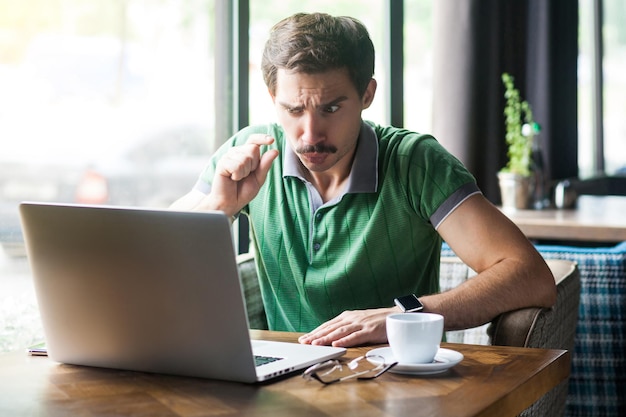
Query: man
x=347 y=215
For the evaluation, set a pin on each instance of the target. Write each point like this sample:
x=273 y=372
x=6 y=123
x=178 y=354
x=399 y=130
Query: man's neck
x=331 y=183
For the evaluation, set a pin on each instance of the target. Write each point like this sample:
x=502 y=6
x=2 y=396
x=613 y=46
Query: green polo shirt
x=376 y=241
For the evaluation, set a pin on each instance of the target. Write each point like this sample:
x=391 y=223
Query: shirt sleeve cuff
x=452 y=202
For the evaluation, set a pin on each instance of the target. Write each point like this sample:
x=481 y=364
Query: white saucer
x=444 y=360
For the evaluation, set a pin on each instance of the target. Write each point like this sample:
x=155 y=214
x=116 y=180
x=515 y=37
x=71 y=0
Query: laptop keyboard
x=264 y=360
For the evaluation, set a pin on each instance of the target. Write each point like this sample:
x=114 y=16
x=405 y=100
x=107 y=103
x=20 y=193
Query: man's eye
x=331 y=109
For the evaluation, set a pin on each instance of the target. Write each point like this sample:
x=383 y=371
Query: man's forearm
x=505 y=286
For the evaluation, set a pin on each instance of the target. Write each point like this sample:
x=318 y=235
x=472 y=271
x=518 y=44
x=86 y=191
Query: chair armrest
x=514 y=328
x=552 y=328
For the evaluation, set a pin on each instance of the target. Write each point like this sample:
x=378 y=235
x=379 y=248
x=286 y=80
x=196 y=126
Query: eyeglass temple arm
x=379 y=373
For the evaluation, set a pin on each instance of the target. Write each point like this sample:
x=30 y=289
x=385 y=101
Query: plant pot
x=515 y=190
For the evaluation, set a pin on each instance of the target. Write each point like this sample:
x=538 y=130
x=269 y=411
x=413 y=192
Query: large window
x=103 y=102
x=602 y=87
x=100 y=102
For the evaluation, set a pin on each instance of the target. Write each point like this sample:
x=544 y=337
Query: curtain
x=536 y=41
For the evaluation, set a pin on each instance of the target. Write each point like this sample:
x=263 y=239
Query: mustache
x=319 y=148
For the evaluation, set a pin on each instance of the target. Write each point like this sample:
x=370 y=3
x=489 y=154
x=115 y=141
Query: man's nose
x=312 y=127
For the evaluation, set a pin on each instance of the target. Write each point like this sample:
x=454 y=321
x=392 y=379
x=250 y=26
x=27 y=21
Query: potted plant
x=516 y=177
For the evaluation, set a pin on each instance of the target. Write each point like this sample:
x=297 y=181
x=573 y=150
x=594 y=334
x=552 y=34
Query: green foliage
x=520 y=128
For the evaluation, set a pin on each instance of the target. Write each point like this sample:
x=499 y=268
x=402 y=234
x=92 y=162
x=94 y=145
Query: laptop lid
x=147 y=290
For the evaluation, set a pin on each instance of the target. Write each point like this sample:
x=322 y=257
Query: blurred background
x=120 y=102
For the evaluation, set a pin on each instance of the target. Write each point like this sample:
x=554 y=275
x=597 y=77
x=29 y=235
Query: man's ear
x=370 y=92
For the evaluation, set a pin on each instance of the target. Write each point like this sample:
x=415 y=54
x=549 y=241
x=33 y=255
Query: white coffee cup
x=414 y=337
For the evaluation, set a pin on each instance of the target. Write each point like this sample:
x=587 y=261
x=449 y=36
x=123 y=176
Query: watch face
x=409 y=303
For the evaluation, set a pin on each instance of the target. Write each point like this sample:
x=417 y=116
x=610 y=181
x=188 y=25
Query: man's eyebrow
x=322 y=105
x=288 y=106
x=333 y=102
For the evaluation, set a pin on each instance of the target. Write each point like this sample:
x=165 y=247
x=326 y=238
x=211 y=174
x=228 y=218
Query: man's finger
x=265 y=164
x=236 y=165
x=260 y=139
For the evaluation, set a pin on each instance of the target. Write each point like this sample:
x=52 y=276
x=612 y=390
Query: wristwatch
x=409 y=303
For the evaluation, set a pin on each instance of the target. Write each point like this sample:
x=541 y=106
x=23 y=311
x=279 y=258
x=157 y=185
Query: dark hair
x=317 y=42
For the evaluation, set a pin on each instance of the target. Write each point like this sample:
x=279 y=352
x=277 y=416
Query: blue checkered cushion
x=598 y=379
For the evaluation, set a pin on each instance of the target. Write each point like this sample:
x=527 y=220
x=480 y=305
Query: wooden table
x=490 y=381
x=595 y=219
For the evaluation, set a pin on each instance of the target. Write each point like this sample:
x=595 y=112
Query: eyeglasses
x=363 y=367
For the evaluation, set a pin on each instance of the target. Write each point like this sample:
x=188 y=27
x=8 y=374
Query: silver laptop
x=148 y=290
